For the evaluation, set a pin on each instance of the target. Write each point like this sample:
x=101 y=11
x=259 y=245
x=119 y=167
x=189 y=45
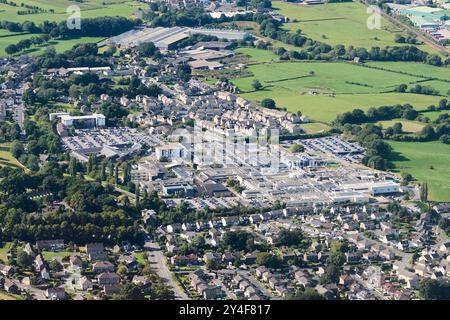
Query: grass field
x=407 y=126
x=315 y=127
x=433 y=115
x=257 y=55
x=340 y=87
x=89 y=9
x=339 y=23
x=4 y=252
x=6 y=158
x=416 y=159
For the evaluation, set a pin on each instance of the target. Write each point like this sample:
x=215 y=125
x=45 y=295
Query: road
x=415 y=31
x=378 y=294
x=37 y=294
x=158 y=262
x=257 y=284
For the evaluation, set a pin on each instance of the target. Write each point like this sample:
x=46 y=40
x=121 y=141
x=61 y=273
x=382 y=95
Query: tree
x=297 y=148
x=130 y=291
x=307 y=294
x=424 y=192
x=257 y=85
x=16 y=149
x=331 y=274
x=73 y=167
x=268 y=260
x=212 y=264
x=24 y=260
x=147 y=49
x=430 y=289
x=289 y=237
x=55 y=266
x=236 y=240
x=268 y=103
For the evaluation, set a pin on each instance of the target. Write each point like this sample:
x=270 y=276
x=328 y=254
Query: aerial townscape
x=225 y=150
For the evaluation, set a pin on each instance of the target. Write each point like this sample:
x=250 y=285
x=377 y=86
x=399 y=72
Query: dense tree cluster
x=96 y=214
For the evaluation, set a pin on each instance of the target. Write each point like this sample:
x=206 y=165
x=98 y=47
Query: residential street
x=158 y=262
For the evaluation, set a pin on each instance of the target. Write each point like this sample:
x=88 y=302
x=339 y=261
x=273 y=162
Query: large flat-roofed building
x=168 y=38
x=374 y=187
x=172 y=151
x=88 y=121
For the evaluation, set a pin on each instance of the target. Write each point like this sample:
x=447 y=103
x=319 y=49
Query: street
x=158 y=262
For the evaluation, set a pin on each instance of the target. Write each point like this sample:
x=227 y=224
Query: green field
x=257 y=55
x=315 y=127
x=6 y=158
x=407 y=126
x=324 y=90
x=416 y=159
x=89 y=9
x=433 y=115
x=339 y=23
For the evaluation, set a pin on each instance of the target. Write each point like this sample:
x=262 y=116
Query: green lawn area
x=6 y=158
x=340 y=86
x=140 y=258
x=407 y=126
x=339 y=23
x=315 y=127
x=416 y=159
x=258 y=55
x=50 y=255
x=4 y=252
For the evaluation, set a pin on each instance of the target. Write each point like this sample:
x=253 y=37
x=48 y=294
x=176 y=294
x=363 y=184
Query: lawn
x=315 y=127
x=324 y=90
x=258 y=55
x=140 y=258
x=6 y=158
x=407 y=126
x=415 y=158
x=339 y=23
x=4 y=252
x=50 y=255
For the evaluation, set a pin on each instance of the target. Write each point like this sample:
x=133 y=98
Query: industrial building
x=168 y=38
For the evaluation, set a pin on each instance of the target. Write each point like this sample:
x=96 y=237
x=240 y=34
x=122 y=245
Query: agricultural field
x=339 y=23
x=407 y=126
x=427 y=162
x=433 y=115
x=89 y=9
x=257 y=55
x=324 y=90
x=414 y=68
